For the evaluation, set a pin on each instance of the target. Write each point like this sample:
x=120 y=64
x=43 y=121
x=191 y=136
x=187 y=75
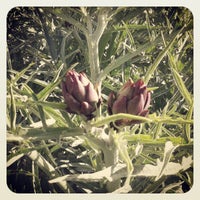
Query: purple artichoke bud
x=73 y=106
x=127 y=90
x=91 y=94
x=86 y=108
x=84 y=79
x=79 y=94
x=119 y=106
x=132 y=98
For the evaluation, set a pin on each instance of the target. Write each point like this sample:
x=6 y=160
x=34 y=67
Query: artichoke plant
x=79 y=94
x=132 y=98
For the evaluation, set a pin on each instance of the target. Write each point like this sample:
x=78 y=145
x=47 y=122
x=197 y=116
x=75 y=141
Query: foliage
x=50 y=150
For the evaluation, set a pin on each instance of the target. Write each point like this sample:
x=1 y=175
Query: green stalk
x=47 y=168
x=159 y=58
x=112 y=118
x=181 y=86
x=177 y=78
x=40 y=108
x=111 y=157
x=187 y=127
x=121 y=145
x=93 y=38
x=108 y=145
x=160 y=124
x=12 y=110
x=150 y=119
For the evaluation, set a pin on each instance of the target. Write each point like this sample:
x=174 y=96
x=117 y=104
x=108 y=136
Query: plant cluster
x=100 y=99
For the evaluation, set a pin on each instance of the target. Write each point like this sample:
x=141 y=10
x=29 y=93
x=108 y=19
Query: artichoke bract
x=132 y=98
x=79 y=94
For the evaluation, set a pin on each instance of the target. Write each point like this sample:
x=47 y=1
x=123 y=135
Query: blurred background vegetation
x=43 y=43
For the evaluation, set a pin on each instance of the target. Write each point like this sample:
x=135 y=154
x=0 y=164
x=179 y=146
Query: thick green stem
x=111 y=157
x=93 y=38
x=106 y=143
x=93 y=52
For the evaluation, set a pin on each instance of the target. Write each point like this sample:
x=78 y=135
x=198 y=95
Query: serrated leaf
x=14 y=159
x=169 y=148
x=111 y=173
x=181 y=86
x=49 y=133
x=123 y=190
x=172 y=168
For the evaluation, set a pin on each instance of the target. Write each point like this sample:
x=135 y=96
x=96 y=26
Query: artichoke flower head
x=132 y=98
x=79 y=94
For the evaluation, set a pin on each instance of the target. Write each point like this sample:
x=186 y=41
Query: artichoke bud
x=119 y=106
x=79 y=94
x=132 y=98
x=92 y=95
